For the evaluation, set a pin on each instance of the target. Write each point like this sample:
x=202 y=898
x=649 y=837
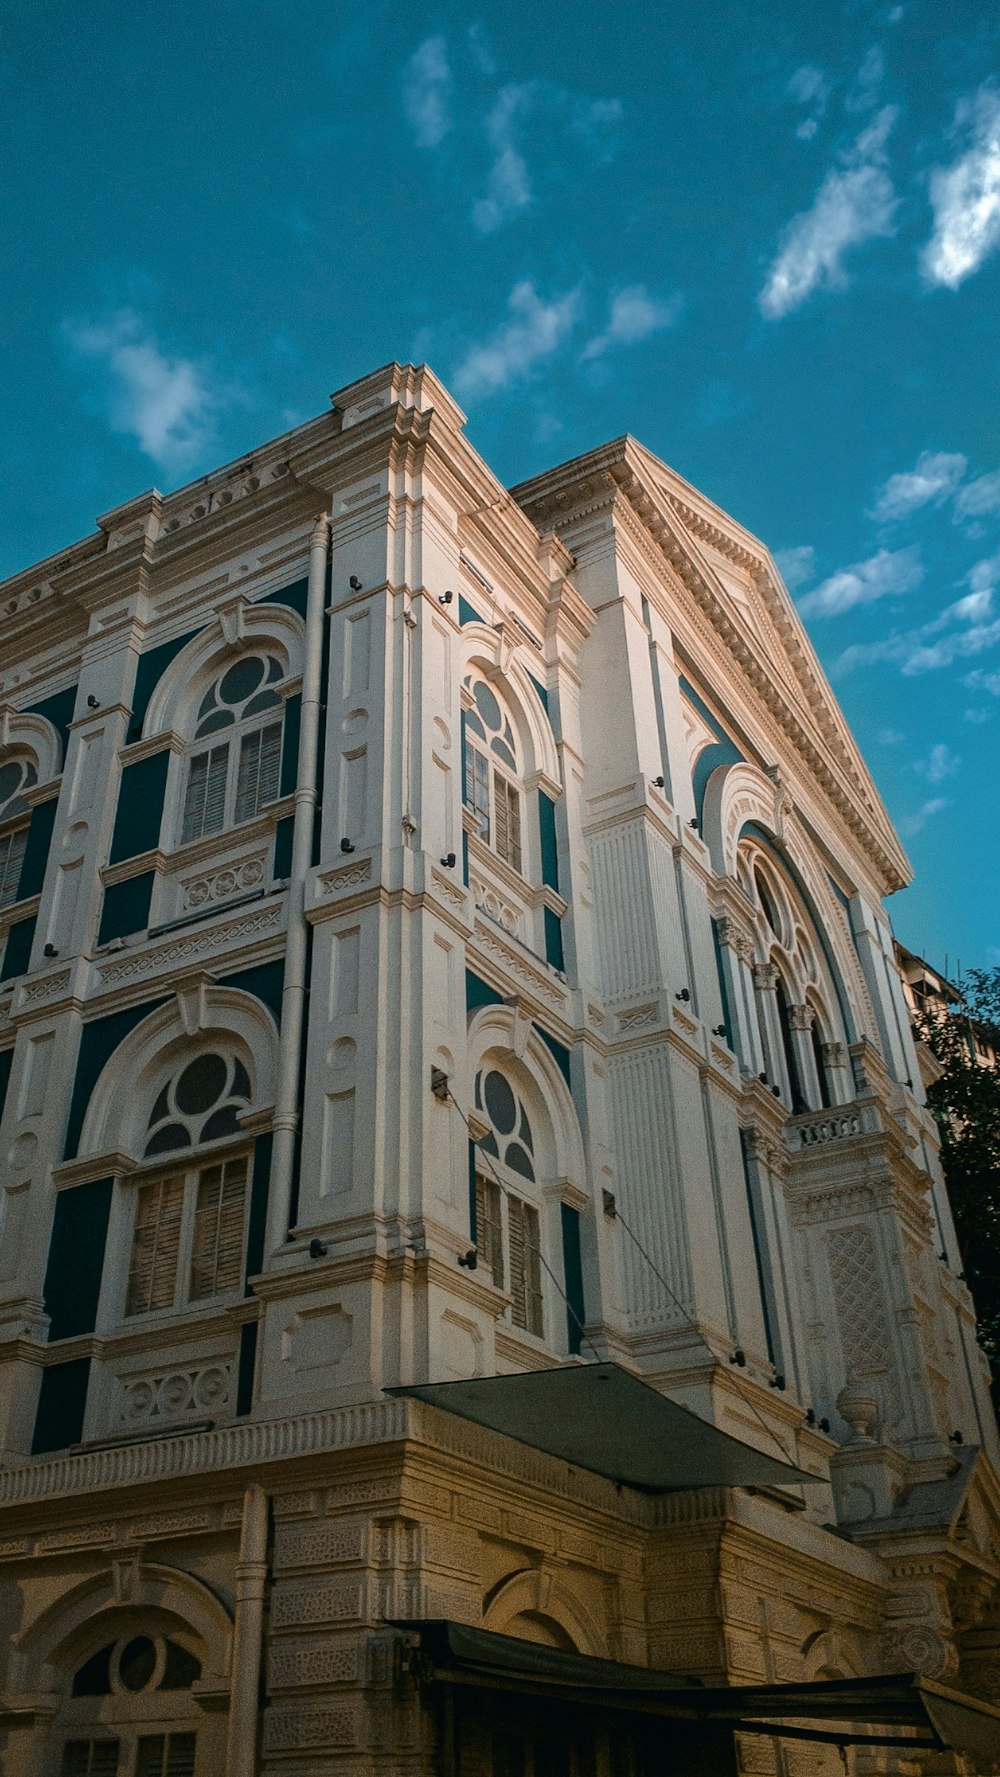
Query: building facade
x=443 y=937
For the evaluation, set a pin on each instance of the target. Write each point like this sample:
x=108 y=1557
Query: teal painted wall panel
x=550 y=847
x=98 y=1042
x=245 y=1367
x=542 y=690
x=140 y=807
x=58 y=710
x=266 y=982
x=295 y=596
x=149 y=671
x=290 y=745
x=76 y=1258
x=62 y=1401
x=560 y=1052
x=554 y=953
x=6 y=1063
x=283 y=847
x=257 y=1223
x=466 y=612
x=572 y=1275
x=479 y=993
x=36 y=851
x=17 y=951
x=126 y=907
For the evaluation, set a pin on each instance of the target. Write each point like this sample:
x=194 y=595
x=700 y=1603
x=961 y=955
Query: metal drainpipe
x=293 y=998
x=248 y=1634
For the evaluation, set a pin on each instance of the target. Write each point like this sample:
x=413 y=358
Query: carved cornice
x=576 y=490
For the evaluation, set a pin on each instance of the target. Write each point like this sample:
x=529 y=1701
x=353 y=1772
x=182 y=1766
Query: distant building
x=443 y=940
x=929 y=994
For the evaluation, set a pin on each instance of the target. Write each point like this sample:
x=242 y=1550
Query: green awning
x=902 y=1709
x=601 y=1417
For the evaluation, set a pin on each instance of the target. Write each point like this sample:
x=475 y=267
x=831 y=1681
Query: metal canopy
x=601 y=1417
x=909 y=1710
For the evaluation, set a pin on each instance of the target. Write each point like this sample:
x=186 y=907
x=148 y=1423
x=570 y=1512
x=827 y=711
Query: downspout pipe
x=293 y=999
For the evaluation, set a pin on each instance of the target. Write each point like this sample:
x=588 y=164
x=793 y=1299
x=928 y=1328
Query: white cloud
x=855 y=203
x=537 y=330
x=633 y=316
x=167 y=403
x=980 y=497
x=863 y=94
x=940 y=763
x=890 y=572
x=508 y=187
x=980 y=681
x=911 y=824
x=965 y=197
x=796 y=566
x=936 y=476
x=427 y=84
x=979 y=716
x=809 y=86
x=890 y=737
x=519 y=107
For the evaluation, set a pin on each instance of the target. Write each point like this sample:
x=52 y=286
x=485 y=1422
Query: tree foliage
x=966 y=1103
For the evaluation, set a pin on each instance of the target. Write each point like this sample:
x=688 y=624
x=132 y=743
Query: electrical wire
x=584 y=1335
x=637 y=1243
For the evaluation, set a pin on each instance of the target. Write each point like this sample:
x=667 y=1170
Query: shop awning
x=601 y=1417
x=902 y=1709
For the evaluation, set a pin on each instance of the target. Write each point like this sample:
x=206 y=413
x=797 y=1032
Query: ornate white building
x=442 y=938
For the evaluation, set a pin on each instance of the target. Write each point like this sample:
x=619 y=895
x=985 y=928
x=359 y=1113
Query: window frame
x=513 y=790
x=231 y=739
x=189 y=1167
x=495 y=1253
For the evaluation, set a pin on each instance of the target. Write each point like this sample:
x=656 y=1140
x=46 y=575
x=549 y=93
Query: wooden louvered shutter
x=90 y=1758
x=508 y=821
x=152 y=1279
x=11 y=859
x=525 y=1265
x=165 y=1755
x=205 y=794
x=489 y=1232
x=259 y=770
x=217 y=1246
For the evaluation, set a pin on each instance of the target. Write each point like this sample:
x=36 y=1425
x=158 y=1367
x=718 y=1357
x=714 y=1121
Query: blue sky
x=764 y=238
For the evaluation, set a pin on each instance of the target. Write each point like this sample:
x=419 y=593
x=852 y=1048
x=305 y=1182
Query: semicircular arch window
x=200 y=1103
x=233 y=778
x=492 y=766
x=18 y=775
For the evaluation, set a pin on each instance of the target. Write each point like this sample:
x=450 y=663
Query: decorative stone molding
x=916 y=1647
x=337 y=882
x=235 y=878
x=837 y=1125
x=637 y=1017
x=48 y=988
x=229 y=936
x=765 y=977
x=859 y=1293
x=801 y=1017
x=488 y=938
x=489 y=901
x=163 y=1394
x=737 y=938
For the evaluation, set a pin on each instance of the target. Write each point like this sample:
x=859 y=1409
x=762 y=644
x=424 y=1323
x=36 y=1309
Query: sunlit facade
x=443 y=937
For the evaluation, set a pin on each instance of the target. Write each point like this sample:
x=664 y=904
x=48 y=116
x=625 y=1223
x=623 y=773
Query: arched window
x=820 y=1060
x=130 y=1712
x=18 y=775
x=189 y=1231
x=234 y=765
x=492 y=767
x=508 y=1236
x=788 y=1046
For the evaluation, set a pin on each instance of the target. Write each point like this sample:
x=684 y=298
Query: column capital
x=765 y=976
x=801 y=1017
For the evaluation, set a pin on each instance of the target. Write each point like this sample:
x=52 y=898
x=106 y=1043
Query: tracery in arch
x=797 y=1003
